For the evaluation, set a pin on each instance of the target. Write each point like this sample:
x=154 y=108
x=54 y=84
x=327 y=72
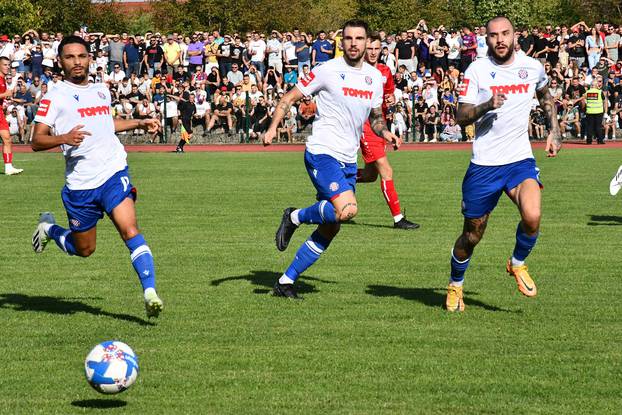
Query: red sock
x=390 y=195
x=8 y=158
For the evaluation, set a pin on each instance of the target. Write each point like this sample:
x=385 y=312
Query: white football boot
x=616 y=182
x=40 y=237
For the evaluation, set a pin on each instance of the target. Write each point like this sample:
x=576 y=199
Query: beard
x=354 y=60
x=77 y=79
x=502 y=58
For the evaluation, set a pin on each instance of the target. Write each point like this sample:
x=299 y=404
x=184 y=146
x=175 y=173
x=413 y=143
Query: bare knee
x=386 y=171
x=129 y=233
x=348 y=212
x=85 y=251
x=531 y=223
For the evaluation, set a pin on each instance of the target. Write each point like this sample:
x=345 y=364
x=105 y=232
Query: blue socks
x=321 y=212
x=307 y=254
x=63 y=239
x=458 y=268
x=524 y=244
x=142 y=260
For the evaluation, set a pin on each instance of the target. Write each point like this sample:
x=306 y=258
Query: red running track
x=256 y=148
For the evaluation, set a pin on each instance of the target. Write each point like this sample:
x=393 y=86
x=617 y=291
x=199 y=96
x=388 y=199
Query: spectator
x=594 y=46
x=438 y=50
x=172 y=54
x=235 y=76
x=451 y=132
x=405 y=52
x=117 y=74
x=17 y=124
x=576 y=47
x=482 y=46
x=432 y=125
x=153 y=57
x=224 y=56
x=322 y=50
x=257 y=50
x=612 y=43
x=468 y=51
x=303 y=54
x=115 y=55
x=222 y=115
x=195 y=52
x=274 y=47
x=453 y=43
x=306 y=113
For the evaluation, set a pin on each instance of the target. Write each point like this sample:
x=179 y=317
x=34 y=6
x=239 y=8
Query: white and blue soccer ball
x=111 y=367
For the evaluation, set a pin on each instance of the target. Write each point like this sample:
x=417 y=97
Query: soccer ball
x=111 y=367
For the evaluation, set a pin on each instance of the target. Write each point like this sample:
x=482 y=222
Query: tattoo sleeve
x=282 y=108
x=467 y=114
x=377 y=122
x=548 y=105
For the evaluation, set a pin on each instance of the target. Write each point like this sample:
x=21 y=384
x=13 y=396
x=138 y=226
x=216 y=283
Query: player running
x=496 y=96
x=373 y=147
x=349 y=91
x=76 y=116
x=7 y=151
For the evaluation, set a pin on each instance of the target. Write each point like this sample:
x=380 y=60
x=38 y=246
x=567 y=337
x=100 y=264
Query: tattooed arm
x=379 y=127
x=554 y=139
x=467 y=114
x=282 y=108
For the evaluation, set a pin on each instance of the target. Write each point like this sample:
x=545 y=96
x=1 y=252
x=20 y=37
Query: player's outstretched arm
x=554 y=139
x=282 y=108
x=43 y=139
x=152 y=125
x=467 y=114
x=379 y=127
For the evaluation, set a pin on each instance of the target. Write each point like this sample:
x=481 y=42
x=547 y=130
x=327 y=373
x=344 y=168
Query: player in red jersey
x=373 y=147
x=7 y=153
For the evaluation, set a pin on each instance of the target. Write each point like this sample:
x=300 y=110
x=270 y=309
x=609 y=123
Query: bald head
x=499 y=21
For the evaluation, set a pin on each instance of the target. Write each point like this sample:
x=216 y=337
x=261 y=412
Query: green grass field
x=371 y=335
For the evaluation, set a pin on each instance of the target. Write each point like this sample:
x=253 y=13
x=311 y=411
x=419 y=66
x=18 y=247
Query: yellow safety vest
x=594 y=101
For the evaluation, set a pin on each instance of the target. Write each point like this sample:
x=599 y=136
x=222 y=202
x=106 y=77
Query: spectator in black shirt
x=526 y=42
x=154 y=56
x=259 y=118
x=576 y=47
x=405 y=52
x=180 y=75
x=222 y=115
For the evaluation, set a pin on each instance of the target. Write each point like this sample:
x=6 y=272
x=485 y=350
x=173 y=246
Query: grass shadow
x=264 y=281
x=604 y=220
x=61 y=305
x=432 y=297
x=99 y=403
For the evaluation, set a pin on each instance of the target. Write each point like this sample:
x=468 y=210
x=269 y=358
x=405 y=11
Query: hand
x=152 y=125
x=553 y=144
x=76 y=136
x=497 y=100
x=269 y=136
x=393 y=139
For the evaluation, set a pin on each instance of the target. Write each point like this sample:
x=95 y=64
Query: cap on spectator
x=4 y=38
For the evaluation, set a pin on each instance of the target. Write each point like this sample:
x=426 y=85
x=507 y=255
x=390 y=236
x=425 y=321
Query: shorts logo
x=305 y=81
x=334 y=186
x=368 y=80
x=101 y=95
x=44 y=107
x=522 y=74
x=75 y=222
x=464 y=87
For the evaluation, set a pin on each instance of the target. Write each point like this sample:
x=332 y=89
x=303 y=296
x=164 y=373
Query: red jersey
x=2 y=88
x=388 y=87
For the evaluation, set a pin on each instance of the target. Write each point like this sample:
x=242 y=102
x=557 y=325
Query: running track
x=256 y=148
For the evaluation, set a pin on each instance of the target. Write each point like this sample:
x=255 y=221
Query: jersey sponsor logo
x=93 y=111
x=464 y=87
x=358 y=93
x=44 y=107
x=306 y=80
x=510 y=89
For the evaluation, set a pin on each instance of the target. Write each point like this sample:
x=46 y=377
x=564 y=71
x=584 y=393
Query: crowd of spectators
x=233 y=81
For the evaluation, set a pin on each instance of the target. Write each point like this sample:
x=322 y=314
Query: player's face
x=372 y=52
x=354 y=43
x=5 y=67
x=500 y=40
x=75 y=62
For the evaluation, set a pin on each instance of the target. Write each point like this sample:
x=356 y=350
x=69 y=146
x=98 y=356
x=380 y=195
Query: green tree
x=63 y=16
x=17 y=16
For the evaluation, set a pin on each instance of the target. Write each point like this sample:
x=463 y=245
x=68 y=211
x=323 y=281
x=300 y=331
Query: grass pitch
x=370 y=336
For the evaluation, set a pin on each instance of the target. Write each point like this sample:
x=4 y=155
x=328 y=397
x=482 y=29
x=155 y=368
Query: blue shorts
x=86 y=207
x=330 y=176
x=482 y=185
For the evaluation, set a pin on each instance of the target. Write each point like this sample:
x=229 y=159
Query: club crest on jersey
x=368 y=80
x=334 y=186
x=76 y=97
x=523 y=74
x=101 y=95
